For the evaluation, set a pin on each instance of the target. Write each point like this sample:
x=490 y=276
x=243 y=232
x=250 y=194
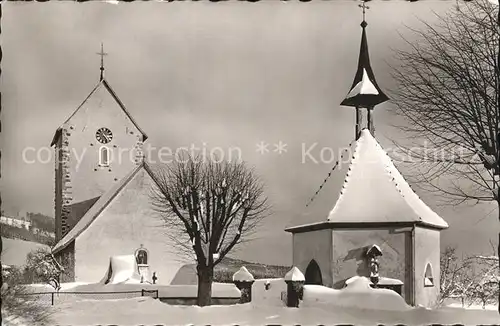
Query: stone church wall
x=315 y=245
x=121 y=228
x=427 y=251
x=63 y=188
x=349 y=248
x=66 y=258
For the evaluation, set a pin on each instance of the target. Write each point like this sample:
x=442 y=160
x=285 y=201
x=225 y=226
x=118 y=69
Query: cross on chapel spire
x=364 y=7
x=102 y=54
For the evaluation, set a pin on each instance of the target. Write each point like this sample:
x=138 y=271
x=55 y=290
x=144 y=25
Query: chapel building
x=378 y=227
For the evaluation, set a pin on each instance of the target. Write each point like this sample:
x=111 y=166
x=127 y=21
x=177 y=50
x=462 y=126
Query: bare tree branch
x=216 y=204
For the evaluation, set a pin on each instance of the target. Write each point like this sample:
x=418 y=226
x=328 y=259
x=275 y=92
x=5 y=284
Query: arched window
x=141 y=255
x=104 y=156
x=428 y=278
x=313 y=274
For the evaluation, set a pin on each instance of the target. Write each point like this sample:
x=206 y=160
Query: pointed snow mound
x=243 y=275
x=295 y=275
x=122 y=270
x=374 y=191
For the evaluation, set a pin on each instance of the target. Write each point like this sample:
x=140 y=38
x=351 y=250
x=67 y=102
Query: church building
x=102 y=193
x=378 y=227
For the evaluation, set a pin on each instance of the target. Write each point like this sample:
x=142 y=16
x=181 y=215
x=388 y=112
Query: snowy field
x=148 y=311
x=357 y=304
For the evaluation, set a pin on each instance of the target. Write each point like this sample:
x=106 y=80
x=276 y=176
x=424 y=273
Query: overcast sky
x=229 y=74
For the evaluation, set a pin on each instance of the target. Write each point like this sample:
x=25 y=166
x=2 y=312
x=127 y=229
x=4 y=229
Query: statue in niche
x=142 y=256
x=372 y=255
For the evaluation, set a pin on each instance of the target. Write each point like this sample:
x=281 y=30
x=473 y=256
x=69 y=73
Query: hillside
x=12 y=232
x=41 y=221
x=226 y=268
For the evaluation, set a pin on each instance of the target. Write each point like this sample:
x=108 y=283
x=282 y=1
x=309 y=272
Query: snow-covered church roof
x=375 y=192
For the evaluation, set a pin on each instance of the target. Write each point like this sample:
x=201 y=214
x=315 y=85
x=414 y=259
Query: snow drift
x=267 y=292
x=122 y=269
x=357 y=293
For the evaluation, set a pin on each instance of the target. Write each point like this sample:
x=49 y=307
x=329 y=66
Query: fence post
x=52 y=297
x=244 y=281
x=142 y=292
x=157 y=295
x=295 y=283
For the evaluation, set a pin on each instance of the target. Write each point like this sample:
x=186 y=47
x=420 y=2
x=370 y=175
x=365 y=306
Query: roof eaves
x=56 y=136
x=58 y=132
x=434 y=226
x=353 y=225
x=117 y=99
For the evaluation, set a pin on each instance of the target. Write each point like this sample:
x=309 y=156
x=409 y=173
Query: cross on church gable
x=102 y=54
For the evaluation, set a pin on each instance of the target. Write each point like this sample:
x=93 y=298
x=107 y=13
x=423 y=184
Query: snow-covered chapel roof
x=375 y=192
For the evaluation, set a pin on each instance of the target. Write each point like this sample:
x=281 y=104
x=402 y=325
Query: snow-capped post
x=244 y=280
x=372 y=255
x=294 y=280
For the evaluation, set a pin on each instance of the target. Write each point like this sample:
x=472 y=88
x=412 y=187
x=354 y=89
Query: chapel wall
x=349 y=248
x=315 y=245
x=427 y=251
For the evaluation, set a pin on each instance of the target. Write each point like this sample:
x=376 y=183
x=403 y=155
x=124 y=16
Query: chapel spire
x=364 y=92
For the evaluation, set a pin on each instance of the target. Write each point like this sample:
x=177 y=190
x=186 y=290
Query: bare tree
x=448 y=94
x=214 y=205
x=487 y=289
x=457 y=276
x=472 y=279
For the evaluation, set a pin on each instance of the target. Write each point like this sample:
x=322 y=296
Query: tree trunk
x=205 y=278
x=498 y=143
x=498 y=248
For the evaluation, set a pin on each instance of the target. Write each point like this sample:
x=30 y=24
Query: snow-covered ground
x=473 y=307
x=148 y=311
x=354 y=305
x=356 y=294
x=42 y=288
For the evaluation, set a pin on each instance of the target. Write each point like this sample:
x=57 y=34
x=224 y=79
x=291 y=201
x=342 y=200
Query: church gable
x=102 y=105
x=100 y=144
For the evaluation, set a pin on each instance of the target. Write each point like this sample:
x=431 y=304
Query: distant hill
x=224 y=271
x=40 y=230
x=12 y=232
